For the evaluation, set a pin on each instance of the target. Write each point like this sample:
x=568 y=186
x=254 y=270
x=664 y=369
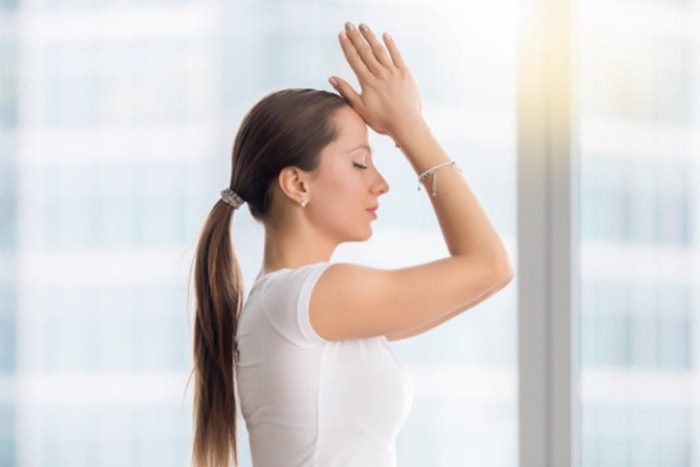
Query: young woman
x=317 y=381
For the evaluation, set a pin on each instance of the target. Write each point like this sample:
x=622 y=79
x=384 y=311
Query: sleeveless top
x=308 y=401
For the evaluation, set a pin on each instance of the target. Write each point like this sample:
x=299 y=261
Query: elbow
x=508 y=276
x=500 y=265
x=498 y=273
x=503 y=273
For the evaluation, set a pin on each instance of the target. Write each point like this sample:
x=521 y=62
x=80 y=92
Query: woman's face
x=346 y=183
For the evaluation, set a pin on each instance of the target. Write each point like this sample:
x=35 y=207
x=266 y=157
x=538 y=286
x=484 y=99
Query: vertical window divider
x=548 y=236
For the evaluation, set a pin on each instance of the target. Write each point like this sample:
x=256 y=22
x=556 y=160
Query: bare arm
x=464 y=223
x=352 y=301
x=394 y=336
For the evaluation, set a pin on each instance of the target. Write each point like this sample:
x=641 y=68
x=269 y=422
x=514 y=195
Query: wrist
x=408 y=129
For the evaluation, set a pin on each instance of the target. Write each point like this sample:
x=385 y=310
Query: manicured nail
x=386 y=34
x=363 y=27
x=349 y=26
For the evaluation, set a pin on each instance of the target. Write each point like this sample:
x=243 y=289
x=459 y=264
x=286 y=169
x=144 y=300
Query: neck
x=293 y=248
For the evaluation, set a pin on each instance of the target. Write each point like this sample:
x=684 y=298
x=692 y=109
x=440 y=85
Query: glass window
x=639 y=206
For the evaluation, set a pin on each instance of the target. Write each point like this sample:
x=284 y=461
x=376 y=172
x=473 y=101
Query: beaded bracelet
x=430 y=172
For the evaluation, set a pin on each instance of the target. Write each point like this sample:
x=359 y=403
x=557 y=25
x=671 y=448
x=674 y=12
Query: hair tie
x=231 y=197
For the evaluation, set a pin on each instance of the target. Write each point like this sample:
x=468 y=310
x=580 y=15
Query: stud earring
x=304 y=203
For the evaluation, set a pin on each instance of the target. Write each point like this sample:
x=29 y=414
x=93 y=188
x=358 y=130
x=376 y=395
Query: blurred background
x=116 y=125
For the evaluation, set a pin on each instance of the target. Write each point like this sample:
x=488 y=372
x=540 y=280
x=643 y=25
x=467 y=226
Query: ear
x=294 y=183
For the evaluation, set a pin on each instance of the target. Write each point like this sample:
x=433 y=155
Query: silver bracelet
x=430 y=172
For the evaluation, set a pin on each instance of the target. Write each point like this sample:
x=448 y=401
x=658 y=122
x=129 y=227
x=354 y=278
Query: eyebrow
x=362 y=146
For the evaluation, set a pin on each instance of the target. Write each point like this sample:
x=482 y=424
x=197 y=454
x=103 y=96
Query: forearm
x=465 y=226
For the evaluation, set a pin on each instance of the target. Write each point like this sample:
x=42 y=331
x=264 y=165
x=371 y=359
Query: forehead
x=351 y=127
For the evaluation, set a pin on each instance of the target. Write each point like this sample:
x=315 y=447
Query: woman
x=318 y=383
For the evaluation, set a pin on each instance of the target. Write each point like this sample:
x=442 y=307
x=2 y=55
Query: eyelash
x=358 y=165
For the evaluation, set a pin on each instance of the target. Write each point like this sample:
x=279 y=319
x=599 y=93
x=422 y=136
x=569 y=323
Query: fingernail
x=333 y=82
x=349 y=26
x=363 y=27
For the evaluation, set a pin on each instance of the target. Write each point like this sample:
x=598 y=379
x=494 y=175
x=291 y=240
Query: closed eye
x=358 y=165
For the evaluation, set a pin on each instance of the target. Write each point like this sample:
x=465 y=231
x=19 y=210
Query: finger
x=364 y=50
x=348 y=92
x=378 y=49
x=394 y=51
x=355 y=61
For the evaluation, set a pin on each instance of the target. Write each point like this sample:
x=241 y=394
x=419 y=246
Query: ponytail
x=218 y=287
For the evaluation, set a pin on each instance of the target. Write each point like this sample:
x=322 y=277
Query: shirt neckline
x=267 y=274
x=261 y=276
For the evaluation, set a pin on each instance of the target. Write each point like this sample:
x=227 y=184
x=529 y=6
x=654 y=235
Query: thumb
x=344 y=88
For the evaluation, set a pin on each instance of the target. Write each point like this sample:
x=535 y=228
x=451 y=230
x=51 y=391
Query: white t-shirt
x=311 y=402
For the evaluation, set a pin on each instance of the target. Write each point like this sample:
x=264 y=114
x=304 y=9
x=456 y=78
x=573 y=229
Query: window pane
x=100 y=199
x=640 y=167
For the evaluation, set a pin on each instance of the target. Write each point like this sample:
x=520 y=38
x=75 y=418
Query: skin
x=339 y=193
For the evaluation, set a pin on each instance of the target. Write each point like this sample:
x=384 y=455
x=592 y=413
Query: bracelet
x=430 y=172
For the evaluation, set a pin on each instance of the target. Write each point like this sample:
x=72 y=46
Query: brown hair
x=287 y=127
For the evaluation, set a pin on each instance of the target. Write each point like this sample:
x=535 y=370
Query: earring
x=304 y=203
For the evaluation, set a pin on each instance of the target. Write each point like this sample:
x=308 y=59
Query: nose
x=381 y=186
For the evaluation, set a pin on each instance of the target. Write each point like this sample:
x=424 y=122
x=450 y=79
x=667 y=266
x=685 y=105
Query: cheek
x=343 y=188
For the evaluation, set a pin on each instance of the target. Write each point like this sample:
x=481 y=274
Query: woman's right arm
x=465 y=225
x=353 y=301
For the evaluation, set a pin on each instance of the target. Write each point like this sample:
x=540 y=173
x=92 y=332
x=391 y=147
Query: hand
x=389 y=99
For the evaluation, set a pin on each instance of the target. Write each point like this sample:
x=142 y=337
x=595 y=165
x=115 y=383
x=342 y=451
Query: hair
x=289 y=127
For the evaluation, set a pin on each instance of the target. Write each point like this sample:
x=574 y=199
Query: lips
x=373 y=211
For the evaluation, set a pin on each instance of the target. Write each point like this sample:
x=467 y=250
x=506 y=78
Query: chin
x=368 y=233
x=362 y=236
